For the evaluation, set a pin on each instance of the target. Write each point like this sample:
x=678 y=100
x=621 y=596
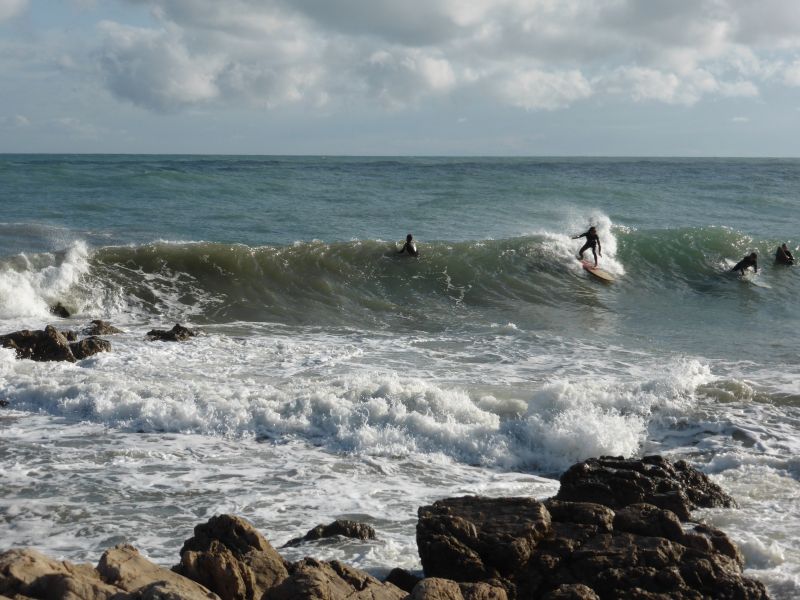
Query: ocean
x=338 y=379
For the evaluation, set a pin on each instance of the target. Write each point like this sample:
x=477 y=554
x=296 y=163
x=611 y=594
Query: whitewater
x=336 y=379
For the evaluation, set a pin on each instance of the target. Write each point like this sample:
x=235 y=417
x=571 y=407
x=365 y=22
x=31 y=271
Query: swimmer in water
x=751 y=260
x=410 y=246
x=783 y=256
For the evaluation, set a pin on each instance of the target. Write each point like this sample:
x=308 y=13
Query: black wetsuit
x=592 y=240
x=411 y=248
x=783 y=257
x=747 y=261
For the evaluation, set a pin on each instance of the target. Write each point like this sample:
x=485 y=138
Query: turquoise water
x=494 y=354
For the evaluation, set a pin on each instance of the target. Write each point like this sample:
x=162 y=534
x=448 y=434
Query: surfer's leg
x=586 y=246
x=594 y=251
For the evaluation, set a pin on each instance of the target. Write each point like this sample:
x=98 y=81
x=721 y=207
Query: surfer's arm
x=577 y=237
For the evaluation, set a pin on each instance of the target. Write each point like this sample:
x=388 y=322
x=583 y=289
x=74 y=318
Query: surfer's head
x=784 y=246
x=409 y=237
x=753 y=255
x=592 y=229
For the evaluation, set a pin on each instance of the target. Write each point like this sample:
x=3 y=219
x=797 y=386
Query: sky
x=401 y=77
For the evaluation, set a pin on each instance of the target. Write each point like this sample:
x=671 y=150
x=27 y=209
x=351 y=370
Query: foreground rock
x=567 y=549
x=123 y=574
x=51 y=344
x=179 y=333
x=617 y=482
x=99 y=327
x=472 y=548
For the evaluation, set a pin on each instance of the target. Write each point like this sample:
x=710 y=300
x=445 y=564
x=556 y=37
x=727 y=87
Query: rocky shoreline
x=618 y=528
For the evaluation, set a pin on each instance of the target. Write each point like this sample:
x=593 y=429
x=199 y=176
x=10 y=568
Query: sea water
x=338 y=379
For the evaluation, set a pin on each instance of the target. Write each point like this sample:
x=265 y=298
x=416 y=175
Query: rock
x=59 y=310
x=179 y=333
x=27 y=573
x=340 y=527
x=310 y=579
x=3 y=403
x=71 y=335
x=562 y=549
x=475 y=539
x=436 y=588
x=231 y=558
x=617 y=482
x=123 y=567
x=98 y=327
x=89 y=346
x=47 y=345
x=402 y=579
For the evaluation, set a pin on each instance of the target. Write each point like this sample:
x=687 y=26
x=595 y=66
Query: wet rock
x=617 y=482
x=59 y=310
x=89 y=346
x=47 y=345
x=310 y=579
x=572 y=591
x=28 y=574
x=123 y=567
x=98 y=327
x=340 y=527
x=402 y=579
x=435 y=588
x=231 y=558
x=179 y=333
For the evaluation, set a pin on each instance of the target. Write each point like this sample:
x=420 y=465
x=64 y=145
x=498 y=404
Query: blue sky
x=418 y=77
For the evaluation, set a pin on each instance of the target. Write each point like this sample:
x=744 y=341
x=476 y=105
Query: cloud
x=530 y=54
x=740 y=119
x=11 y=8
x=16 y=121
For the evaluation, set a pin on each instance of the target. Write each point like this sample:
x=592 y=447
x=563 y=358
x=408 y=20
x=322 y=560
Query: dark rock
x=179 y=333
x=310 y=579
x=231 y=558
x=59 y=310
x=617 y=482
x=340 y=527
x=89 y=346
x=475 y=539
x=98 y=327
x=47 y=345
x=72 y=336
x=3 y=403
x=571 y=591
x=402 y=579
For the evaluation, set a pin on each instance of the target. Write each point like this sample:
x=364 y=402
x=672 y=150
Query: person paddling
x=410 y=246
x=783 y=256
x=592 y=241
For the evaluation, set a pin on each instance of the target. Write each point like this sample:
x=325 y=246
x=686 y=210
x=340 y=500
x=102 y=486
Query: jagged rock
x=230 y=557
x=435 y=588
x=475 y=539
x=123 y=567
x=89 y=346
x=27 y=573
x=72 y=336
x=98 y=327
x=402 y=579
x=310 y=579
x=340 y=527
x=59 y=310
x=617 y=482
x=47 y=345
x=179 y=333
x=639 y=551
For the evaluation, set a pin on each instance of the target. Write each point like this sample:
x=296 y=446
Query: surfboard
x=597 y=272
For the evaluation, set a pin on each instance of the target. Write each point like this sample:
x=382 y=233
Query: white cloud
x=536 y=89
x=740 y=119
x=275 y=52
x=11 y=8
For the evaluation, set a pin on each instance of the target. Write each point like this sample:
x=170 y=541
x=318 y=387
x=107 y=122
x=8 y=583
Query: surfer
x=751 y=260
x=592 y=241
x=410 y=246
x=783 y=256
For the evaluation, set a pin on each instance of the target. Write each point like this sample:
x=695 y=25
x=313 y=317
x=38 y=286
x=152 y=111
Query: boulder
x=28 y=573
x=434 y=588
x=310 y=579
x=617 y=482
x=59 y=310
x=89 y=346
x=231 y=558
x=98 y=327
x=47 y=345
x=402 y=579
x=475 y=539
x=123 y=567
x=179 y=333
x=561 y=549
x=340 y=527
